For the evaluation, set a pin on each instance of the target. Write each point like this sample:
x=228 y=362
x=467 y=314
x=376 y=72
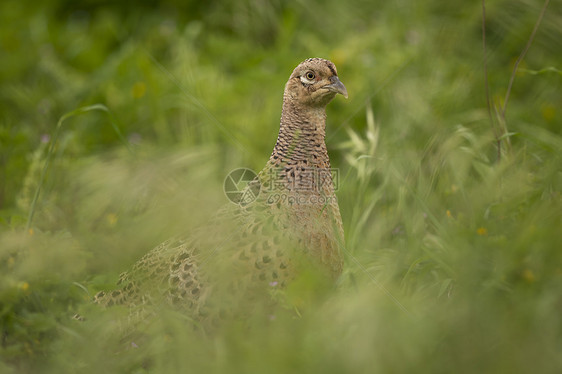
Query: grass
x=452 y=249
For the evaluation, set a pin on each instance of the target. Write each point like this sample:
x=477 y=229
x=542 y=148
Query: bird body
x=256 y=244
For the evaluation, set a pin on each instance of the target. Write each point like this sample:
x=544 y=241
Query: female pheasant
x=261 y=243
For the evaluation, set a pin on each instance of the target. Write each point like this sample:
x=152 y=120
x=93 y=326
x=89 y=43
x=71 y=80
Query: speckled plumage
x=256 y=244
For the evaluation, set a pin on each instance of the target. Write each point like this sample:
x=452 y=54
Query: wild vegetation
x=119 y=123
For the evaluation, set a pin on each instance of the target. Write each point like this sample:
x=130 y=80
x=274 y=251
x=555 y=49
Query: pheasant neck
x=301 y=137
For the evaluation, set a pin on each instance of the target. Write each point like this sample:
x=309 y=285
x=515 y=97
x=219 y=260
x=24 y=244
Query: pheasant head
x=314 y=83
x=311 y=86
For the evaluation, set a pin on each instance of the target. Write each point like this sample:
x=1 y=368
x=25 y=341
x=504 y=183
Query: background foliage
x=453 y=256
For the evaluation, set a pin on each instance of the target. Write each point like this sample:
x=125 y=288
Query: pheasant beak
x=336 y=86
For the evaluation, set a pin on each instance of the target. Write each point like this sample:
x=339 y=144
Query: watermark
x=283 y=185
x=276 y=198
x=241 y=186
x=302 y=179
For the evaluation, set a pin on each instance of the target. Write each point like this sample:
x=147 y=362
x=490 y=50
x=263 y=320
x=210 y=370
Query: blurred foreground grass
x=453 y=259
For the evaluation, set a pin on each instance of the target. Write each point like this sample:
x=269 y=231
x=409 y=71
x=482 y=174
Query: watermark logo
x=241 y=186
x=285 y=185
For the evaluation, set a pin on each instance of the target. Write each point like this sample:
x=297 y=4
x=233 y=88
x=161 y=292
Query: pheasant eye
x=310 y=76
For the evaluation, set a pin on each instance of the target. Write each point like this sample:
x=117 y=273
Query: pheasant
x=288 y=216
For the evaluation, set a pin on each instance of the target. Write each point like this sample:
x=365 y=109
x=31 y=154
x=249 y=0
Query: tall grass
x=452 y=253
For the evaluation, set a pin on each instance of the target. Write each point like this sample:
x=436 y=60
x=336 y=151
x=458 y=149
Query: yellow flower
x=338 y=56
x=111 y=219
x=139 y=89
x=449 y=214
x=24 y=286
x=30 y=231
x=482 y=231
x=528 y=275
x=548 y=112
